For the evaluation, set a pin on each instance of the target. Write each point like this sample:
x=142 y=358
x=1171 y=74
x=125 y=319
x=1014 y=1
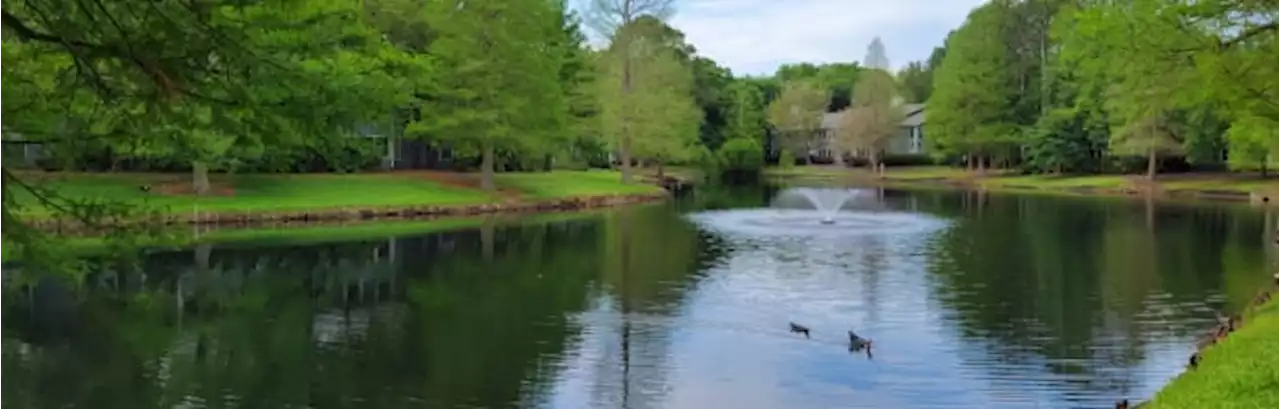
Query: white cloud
x=755 y=36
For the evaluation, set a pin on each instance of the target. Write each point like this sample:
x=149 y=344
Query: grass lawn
x=1239 y=372
x=268 y=192
x=570 y=183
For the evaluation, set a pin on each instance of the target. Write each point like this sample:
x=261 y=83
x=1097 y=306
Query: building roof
x=914 y=117
x=831 y=120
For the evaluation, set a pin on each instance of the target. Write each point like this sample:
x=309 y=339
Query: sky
x=754 y=37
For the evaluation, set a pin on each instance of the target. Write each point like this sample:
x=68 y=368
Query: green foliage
x=837 y=79
x=1253 y=143
x=1061 y=143
x=797 y=112
x=874 y=117
x=655 y=114
x=221 y=83
x=742 y=155
x=746 y=112
x=786 y=159
x=907 y=160
x=498 y=86
x=969 y=111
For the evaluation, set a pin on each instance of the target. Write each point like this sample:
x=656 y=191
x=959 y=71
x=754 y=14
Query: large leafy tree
x=498 y=87
x=611 y=18
x=797 y=113
x=969 y=111
x=657 y=115
x=209 y=83
x=191 y=81
x=746 y=112
x=874 y=117
x=1142 y=94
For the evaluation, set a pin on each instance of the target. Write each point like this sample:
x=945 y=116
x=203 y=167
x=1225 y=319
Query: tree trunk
x=624 y=156
x=624 y=148
x=661 y=174
x=874 y=158
x=982 y=170
x=486 y=168
x=1262 y=167
x=199 y=178
x=968 y=162
x=1152 y=161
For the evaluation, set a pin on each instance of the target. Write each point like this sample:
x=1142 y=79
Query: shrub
x=742 y=154
x=786 y=159
x=907 y=160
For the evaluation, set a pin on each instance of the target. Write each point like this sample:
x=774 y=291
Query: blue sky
x=754 y=37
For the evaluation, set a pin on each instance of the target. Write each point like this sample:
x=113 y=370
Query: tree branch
x=1247 y=34
x=27 y=33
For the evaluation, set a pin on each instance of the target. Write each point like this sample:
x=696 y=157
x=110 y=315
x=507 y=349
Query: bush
x=1168 y=164
x=786 y=159
x=892 y=160
x=705 y=160
x=907 y=160
x=741 y=154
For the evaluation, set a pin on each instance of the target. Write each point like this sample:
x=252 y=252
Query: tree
x=917 y=81
x=876 y=57
x=1253 y=143
x=498 y=85
x=656 y=116
x=969 y=111
x=836 y=78
x=1141 y=80
x=609 y=17
x=577 y=74
x=874 y=117
x=191 y=83
x=746 y=119
x=211 y=84
x=797 y=113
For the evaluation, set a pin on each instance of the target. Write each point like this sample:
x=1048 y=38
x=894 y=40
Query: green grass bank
x=256 y=199
x=1238 y=372
x=277 y=192
x=1229 y=186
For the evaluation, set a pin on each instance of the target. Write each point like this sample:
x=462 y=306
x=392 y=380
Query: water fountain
x=826 y=201
x=813 y=212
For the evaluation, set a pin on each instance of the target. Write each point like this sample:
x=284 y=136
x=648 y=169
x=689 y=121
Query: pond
x=971 y=300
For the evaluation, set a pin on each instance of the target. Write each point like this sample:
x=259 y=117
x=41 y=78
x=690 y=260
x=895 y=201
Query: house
x=910 y=141
x=402 y=153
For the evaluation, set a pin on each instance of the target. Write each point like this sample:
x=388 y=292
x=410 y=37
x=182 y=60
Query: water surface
x=972 y=301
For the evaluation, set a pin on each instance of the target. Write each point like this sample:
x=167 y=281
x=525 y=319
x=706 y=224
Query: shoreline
x=1193 y=186
x=1220 y=358
x=308 y=217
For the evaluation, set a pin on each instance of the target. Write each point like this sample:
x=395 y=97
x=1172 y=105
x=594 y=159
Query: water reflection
x=985 y=301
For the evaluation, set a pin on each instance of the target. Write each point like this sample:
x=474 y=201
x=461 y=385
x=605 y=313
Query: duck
x=800 y=329
x=1194 y=361
x=857 y=343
